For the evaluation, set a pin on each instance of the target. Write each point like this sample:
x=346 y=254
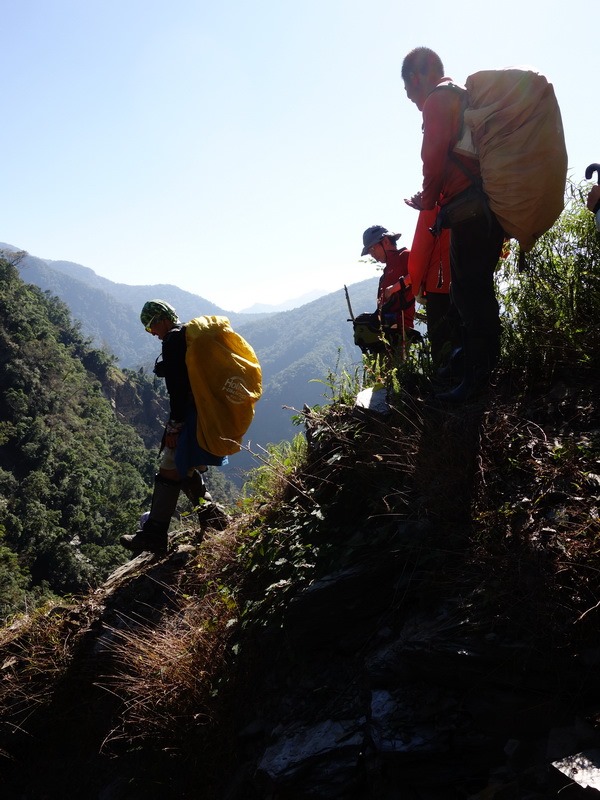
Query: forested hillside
x=72 y=477
x=79 y=440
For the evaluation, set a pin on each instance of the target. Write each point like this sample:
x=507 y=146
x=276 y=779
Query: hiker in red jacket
x=395 y=300
x=429 y=272
x=475 y=244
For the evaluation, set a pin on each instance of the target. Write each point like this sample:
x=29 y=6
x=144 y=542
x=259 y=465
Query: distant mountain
x=298 y=349
x=287 y=305
x=108 y=312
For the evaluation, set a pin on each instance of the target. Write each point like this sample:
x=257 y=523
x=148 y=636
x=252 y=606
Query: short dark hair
x=422 y=60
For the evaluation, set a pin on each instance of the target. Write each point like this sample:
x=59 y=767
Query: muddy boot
x=210 y=514
x=153 y=536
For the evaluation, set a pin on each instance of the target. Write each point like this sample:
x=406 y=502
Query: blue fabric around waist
x=189 y=454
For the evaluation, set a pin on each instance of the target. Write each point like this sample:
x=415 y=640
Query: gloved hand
x=172 y=431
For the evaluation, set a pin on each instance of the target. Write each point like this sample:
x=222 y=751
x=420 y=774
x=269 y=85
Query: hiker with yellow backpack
x=213 y=380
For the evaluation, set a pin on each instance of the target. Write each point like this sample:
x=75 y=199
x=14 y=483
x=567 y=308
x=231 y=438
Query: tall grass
x=551 y=309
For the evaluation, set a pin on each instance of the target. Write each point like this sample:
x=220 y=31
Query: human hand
x=593 y=199
x=415 y=201
x=171 y=440
x=172 y=432
x=389 y=291
x=402 y=285
x=398 y=297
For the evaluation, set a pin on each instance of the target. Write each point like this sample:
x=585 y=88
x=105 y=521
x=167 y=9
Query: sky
x=238 y=149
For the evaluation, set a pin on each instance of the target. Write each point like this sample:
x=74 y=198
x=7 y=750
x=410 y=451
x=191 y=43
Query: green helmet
x=157 y=309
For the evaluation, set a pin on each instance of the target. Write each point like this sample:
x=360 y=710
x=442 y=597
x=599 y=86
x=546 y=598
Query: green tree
x=550 y=309
x=72 y=476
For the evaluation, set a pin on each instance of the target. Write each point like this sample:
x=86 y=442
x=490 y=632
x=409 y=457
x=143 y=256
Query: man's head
x=422 y=70
x=158 y=316
x=377 y=240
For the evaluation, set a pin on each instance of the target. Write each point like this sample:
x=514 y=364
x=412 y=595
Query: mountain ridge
x=285 y=305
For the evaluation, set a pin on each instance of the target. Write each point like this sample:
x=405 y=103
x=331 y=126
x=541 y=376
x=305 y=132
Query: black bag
x=469 y=205
x=370 y=336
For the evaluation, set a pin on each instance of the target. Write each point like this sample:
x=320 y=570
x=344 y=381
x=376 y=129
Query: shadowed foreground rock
x=409 y=700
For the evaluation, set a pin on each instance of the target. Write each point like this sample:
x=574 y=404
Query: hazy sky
x=238 y=149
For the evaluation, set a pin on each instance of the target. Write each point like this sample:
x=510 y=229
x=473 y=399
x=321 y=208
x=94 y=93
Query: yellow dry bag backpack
x=226 y=382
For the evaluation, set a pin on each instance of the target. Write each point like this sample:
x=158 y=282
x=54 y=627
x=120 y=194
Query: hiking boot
x=213 y=516
x=454 y=367
x=153 y=538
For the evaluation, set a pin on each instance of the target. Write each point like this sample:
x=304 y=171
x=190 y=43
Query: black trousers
x=443 y=326
x=475 y=248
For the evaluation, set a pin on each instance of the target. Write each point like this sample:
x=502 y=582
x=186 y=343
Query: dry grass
x=164 y=672
x=536 y=512
x=35 y=653
x=167 y=675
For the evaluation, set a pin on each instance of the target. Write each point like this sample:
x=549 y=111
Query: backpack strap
x=470 y=175
x=448 y=83
x=464 y=142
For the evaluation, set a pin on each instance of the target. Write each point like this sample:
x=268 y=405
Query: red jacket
x=429 y=260
x=442 y=122
x=396 y=267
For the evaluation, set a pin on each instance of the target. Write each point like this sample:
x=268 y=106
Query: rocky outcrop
x=381 y=687
x=378 y=681
x=137 y=404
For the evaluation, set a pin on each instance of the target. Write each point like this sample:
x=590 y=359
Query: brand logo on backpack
x=235 y=390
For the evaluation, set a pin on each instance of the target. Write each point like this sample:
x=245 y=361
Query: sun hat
x=375 y=234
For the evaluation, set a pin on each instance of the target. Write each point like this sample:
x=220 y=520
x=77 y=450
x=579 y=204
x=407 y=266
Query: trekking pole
x=349 y=304
x=403 y=338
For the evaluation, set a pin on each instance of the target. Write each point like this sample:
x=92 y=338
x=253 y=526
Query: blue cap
x=375 y=234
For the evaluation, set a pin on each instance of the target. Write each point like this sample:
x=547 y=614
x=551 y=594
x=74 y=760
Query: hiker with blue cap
x=395 y=299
